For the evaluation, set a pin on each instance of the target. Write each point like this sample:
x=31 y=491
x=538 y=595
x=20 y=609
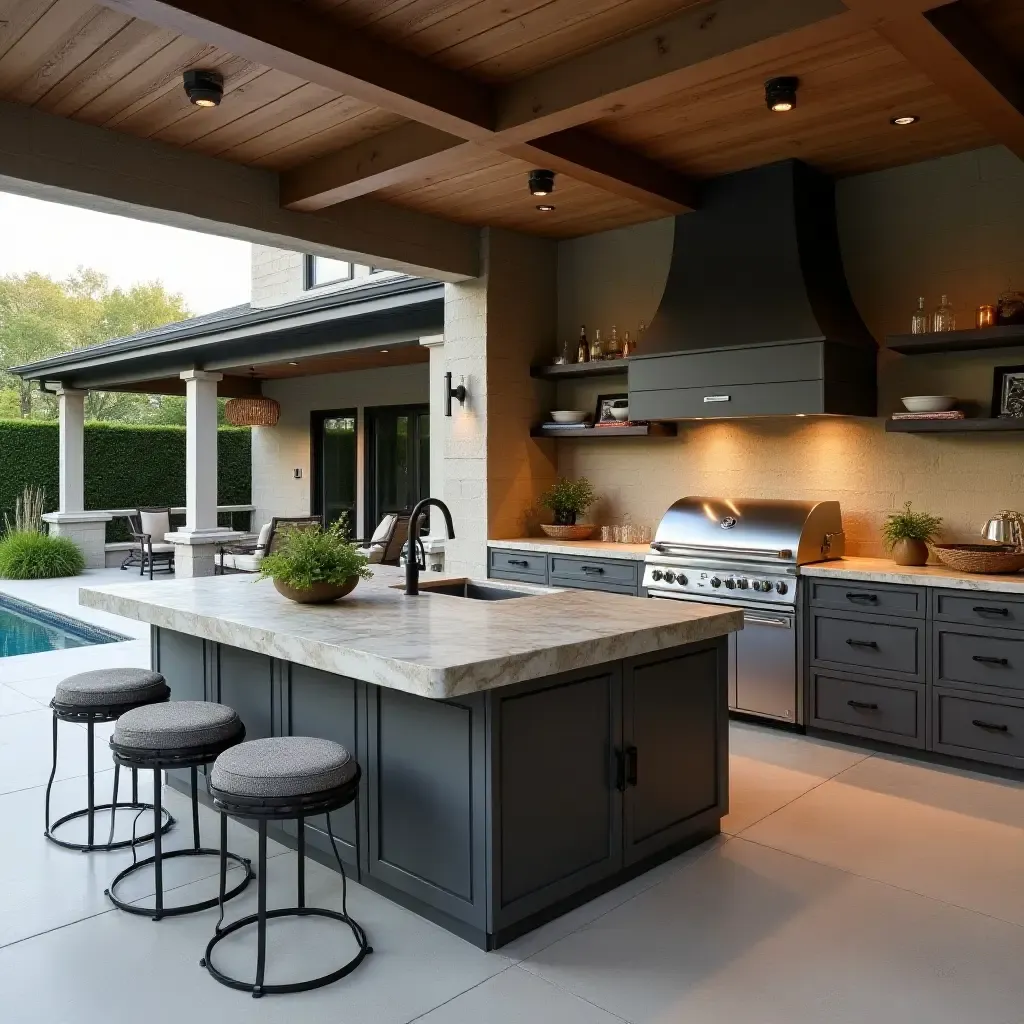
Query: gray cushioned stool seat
x=283 y=766
x=109 y=686
x=177 y=725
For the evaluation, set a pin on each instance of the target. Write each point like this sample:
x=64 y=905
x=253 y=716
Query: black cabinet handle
x=867 y=598
x=521 y=562
x=591 y=569
x=863 y=643
x=986 y=660
x=861 y=705
x=985 y=610
x=991 y=726
x=631 y=764
x=620 y=770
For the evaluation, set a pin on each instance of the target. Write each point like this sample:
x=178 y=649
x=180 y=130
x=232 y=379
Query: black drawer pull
x=521 y=562
x=861 y=705
x=991 y=726
x=867 y=598
x=591 y=569
x=863 y=643
x=631 y=765
x=984 y=610
x=987 y=660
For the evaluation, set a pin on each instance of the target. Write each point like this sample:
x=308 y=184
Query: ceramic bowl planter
x=910 y=552
x=318 y=593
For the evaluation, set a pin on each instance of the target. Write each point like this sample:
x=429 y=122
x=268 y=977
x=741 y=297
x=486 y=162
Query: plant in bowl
x=568 y=499
x=907 y=534
x=314 y=565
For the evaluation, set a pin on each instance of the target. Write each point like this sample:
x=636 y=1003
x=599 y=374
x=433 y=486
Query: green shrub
x=313 y=555
x=27 y=555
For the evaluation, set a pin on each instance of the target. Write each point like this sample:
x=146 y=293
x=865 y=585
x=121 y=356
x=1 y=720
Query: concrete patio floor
x=848 y=887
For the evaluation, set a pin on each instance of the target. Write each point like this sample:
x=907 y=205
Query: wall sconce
x=459 y=393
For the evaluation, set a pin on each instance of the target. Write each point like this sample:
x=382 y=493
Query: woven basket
x=987 y=558
x=252 y=412
x=578 y=532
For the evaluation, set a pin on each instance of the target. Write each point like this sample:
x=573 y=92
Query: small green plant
x=30 y=555
x=569 y=498
x=910 y=525
x=28 y=511
x=315 y=555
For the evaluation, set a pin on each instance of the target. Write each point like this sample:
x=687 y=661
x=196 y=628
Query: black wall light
x=203 y=88
x=542 y=183
x=459 y=394
x=780 y=93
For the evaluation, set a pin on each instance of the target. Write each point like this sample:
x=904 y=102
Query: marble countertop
x=593 y=548
x=883 y=570
x=432 y=645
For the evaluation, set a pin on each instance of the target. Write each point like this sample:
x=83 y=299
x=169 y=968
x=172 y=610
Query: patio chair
x=385 y=546
x=148 y=527
x=234 y=558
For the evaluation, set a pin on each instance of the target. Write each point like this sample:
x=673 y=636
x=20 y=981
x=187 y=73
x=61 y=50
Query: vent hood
x=756 y=318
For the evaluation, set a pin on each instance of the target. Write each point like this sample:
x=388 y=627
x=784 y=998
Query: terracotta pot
x=910 y=552
x=319 y=593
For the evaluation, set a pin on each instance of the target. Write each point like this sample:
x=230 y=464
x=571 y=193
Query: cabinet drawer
x=569 y=570
x=1003 y=610
x=980 y=659
x=886 y=711
x=883 y=600
x=864 y=644
x=530 y=565
x=978 y=727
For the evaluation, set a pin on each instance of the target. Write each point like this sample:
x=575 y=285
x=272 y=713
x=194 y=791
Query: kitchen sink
x=472 y=591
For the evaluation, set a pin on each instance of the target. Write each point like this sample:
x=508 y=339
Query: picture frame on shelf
x=605 y=404
x=1008 y=393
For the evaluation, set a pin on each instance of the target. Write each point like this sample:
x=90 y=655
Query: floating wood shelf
x=573 y=371
x=952 y=426
x=649 y=430
x=1008 y=336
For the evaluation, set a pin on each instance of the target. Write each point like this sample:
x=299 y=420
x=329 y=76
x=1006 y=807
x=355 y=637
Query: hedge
x=125 y=465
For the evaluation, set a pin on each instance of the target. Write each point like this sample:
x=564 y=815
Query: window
x=320 y=271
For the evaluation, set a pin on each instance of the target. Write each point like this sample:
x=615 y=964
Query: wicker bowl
x=578 y=532
x=987 y=558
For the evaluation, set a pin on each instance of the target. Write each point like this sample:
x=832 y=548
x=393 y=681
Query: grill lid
x=755 y=529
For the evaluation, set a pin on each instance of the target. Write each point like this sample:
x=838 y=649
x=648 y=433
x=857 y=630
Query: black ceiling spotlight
x=542 y=183
x=203 y=88
x=780 y=93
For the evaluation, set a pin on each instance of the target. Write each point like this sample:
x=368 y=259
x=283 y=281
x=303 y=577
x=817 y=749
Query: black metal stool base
x=191 y=908
x=295 y=986
x=121 y=844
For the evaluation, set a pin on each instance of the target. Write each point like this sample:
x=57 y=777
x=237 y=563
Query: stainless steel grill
x=747 y=553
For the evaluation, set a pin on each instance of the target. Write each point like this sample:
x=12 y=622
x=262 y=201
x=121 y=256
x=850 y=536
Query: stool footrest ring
x=121 y=844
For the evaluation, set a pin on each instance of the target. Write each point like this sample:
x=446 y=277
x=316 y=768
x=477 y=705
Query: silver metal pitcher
x=1006 y=527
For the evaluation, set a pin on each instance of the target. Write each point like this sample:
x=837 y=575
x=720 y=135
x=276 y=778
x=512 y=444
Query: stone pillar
x=434 y=343
x=200 y=537
x=86 y=529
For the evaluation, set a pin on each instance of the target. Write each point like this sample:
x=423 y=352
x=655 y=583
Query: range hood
x=756 y=318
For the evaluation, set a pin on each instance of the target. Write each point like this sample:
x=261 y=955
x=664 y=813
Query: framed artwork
x=1008 y=392
x=605 y=404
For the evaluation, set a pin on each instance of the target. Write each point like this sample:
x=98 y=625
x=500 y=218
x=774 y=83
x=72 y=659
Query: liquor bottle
x=920 y=321
x=596 y=347
x=627 y=345
x=583 y=346
x=943 y=319
x=614 y=350
x=640 y=332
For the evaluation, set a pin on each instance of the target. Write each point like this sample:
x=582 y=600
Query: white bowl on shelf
x=620 y=413
x=568 y=415
x=929 y=403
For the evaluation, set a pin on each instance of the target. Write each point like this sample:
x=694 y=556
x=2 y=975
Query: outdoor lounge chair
x=248 y=557
x=385 y=546
x=149 y=527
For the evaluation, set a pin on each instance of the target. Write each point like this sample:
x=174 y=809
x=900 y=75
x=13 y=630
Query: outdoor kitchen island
x=519 y=756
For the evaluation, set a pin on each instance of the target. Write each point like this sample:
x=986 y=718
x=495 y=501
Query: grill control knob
x=681 y=580
x=656 y=575
x=766 y=586
x=730 y=583
x=715 y=582
x=780 y=587
x=742 y=583
x=670 y=576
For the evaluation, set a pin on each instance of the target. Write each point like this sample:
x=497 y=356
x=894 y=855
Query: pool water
x=27 y=629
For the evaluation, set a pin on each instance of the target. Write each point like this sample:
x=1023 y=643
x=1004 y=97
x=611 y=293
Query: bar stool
x=271 y=780
x=181 y=734
x=95 y=697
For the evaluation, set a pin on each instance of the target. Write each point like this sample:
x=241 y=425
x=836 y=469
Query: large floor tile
x=14 y=703
x=752 y=934
x=951 y=835
x=26 y=750
x=517 y=997
x=36 y=675
x=116 y=967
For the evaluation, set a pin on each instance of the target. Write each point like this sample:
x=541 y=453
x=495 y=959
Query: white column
x=71 y=413
x=200 y=450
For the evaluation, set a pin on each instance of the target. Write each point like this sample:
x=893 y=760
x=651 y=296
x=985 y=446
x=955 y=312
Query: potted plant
x=314 y=565
x=568 y=499
x=907 y=534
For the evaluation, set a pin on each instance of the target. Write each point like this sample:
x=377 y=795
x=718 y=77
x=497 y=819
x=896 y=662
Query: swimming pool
x=27 y=629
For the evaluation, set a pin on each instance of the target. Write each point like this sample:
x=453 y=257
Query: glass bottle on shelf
x=920 y=322
x=583 y=346
x=614 y=350
x=627 y=345
x=943 y=319
x=596 y=347
x=640 y=331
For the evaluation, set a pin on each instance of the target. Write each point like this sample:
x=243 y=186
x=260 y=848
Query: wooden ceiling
x=442 y=106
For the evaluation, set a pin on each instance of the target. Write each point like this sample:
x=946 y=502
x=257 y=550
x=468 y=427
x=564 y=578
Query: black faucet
x=412 y=565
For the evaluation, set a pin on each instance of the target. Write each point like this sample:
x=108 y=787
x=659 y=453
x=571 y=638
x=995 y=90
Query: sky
x=209 y=271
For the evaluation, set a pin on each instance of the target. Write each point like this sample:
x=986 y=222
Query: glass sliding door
x=398 y=459
x=334 y=466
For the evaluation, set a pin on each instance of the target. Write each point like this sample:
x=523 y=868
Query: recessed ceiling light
x=780 y=93
x=541 y=183
x=905 y=119
x=545 y=207
x=204 y=88
x=292 y=363
x=384 y=351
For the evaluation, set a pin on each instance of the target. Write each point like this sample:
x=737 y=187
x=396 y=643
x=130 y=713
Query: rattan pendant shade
x=252 y=412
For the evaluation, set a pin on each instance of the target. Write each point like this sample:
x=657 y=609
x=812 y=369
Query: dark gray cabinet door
x=990 y=659
x=245 y=683
x=675 y=721
x=878 y=709
x=978 y=726
x=869 y=644
x=612 y=573
x=182 y=660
